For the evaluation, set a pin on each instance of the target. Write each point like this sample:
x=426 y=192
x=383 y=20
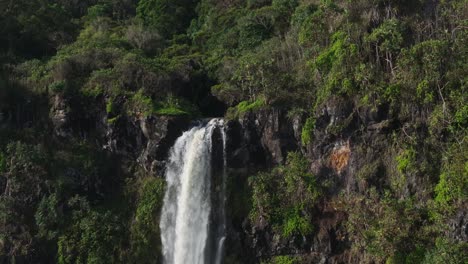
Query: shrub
x=284 y=260
x=143 y=38
x=244 y=107
x=388 y=36
x=145 y=243
x=3 y=161
x=406 y=159
x=453 y=183
x=93 y=236
x=382 y=226
x=57 y=87
x=447 y=251
x=48 y=217
x=254 y=28
x=285 y=196
x=336 y=66
x=110 y=107
x=421 y=70
x=460 y=121
x=176 y=106
x=168 y=18
x=141 y=105
x=295 y=223
x=307 y=131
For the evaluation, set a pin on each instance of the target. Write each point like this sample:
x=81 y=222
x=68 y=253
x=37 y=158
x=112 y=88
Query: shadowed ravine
x=192 y=220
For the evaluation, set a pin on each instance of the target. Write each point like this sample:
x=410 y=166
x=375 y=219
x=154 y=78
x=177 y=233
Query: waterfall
x=191 y=230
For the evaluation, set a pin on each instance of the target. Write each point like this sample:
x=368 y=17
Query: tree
x=167 y=17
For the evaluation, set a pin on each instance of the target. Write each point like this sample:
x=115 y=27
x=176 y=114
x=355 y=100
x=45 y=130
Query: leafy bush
x=446 y=251
x=406 y=159
x=3 y=161
x=93 y=237
x=285 y=196
x=48 y=217
x=283 y=260
x=145 y=242
x=144 y=38
x=58 y=87
x=382 y=226
x=453 y=183
x=295 y=223
x=141 y=105
x=110 y=107
x=244 y=107
x=424 y=69
x=307 y=131
x=336 y=66
x=460 y=121
x=176 y=106
x=24 y=167
x=168 y=18
x=388 y=37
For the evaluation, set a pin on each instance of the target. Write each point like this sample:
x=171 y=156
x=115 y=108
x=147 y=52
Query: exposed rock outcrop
x=343 y=155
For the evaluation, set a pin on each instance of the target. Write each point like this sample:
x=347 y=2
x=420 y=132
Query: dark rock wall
x=349 y=153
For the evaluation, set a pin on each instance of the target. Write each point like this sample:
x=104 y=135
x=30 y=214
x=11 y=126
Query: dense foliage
x=67 y=200
x=284 y=197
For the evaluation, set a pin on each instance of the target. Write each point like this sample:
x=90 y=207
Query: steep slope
x=346 y=126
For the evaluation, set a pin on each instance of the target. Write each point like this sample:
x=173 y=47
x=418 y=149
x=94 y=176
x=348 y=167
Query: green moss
x=176 y=106
x=296 y=223
x=110 y=107
x=406 y=159
x=113 y=120
x=140 y=104
x=144 y=105
x=171 y=111
x=406 y=166
x=245 y=106
x=307 y=131
x=452 y=187
x=283 y=260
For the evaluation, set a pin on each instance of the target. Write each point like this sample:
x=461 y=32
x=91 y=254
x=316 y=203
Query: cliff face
x=349 y=153
x=262 y=140
x=346 y=126
x=257 y=141
x=352 y=153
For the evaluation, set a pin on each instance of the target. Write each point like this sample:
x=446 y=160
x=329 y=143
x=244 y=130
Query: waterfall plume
x=192 y=231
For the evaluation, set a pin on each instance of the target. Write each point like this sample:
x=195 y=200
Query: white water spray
x=187 y=214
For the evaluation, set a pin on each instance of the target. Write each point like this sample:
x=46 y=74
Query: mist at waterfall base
x=193 y=218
